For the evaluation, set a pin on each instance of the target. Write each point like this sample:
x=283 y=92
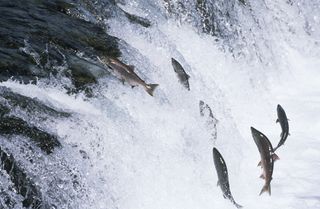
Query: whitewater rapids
x=144 y=152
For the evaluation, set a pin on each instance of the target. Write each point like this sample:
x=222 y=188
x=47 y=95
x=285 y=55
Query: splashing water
x=130 y=150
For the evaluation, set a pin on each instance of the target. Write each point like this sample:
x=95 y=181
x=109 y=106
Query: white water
x=155 y=153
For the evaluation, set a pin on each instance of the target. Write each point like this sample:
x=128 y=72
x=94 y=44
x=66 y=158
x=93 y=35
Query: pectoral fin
x=275 y=157
x=277 y=121
x=150 y=88
x=131 y=67
x=262 y=176
x=218 y=183
x=259 y=164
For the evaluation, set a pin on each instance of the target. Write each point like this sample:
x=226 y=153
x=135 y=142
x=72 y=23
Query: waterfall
x=73 y=135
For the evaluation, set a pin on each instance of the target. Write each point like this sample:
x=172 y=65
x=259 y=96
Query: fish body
x=283 y=120
x=211 y=121
x=223 y=179
x=126 y=73
x=267 y=158
x=181 y=73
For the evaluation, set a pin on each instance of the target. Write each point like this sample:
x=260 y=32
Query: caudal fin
x=266 y=188
x=150 y=88
x=237 y=205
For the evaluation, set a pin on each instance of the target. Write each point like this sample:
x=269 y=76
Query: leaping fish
x=182 y=75
x=283 y=120
x=126 y=73
x=223 y=179
x=267 y=158
x=211 y=121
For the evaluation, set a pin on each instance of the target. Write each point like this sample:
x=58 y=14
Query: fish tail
x=150 y=88
x=237 y=205
x=266 y=188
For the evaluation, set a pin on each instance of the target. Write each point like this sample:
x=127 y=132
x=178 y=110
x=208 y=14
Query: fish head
x=260 y=139
x=255 y=133
x=174 y=61
x=216 y=153
x=279 y=108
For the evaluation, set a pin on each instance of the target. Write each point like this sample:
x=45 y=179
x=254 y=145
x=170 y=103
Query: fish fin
x=188 y=76
x=150 y=88
x=259 y=164
x=289 y=134
x=262 y=176
x=218 y=183
x=237 y=205
x=131 y=67
x=266 y=188
x=275 y=157
x=277 y=121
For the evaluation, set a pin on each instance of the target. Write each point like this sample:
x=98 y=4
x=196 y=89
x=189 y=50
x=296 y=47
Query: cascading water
x=73 y=136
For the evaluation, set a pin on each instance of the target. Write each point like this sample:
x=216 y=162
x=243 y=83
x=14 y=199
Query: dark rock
x=10 y=125
x=6 y=200
x=30 y=105
x=23 y=185
x=37 y=36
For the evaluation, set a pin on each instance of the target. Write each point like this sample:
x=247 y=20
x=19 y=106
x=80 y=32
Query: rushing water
x=121 y=148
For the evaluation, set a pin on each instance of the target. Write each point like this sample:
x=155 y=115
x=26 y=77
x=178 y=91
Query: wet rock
x=10 y=125
x=37 y=36
x=30 y=105
x=83 y=71
x=22 y=184
x=6 y=201
x=217 y=18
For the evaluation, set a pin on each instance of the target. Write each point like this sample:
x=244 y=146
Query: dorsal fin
x=131 y=67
